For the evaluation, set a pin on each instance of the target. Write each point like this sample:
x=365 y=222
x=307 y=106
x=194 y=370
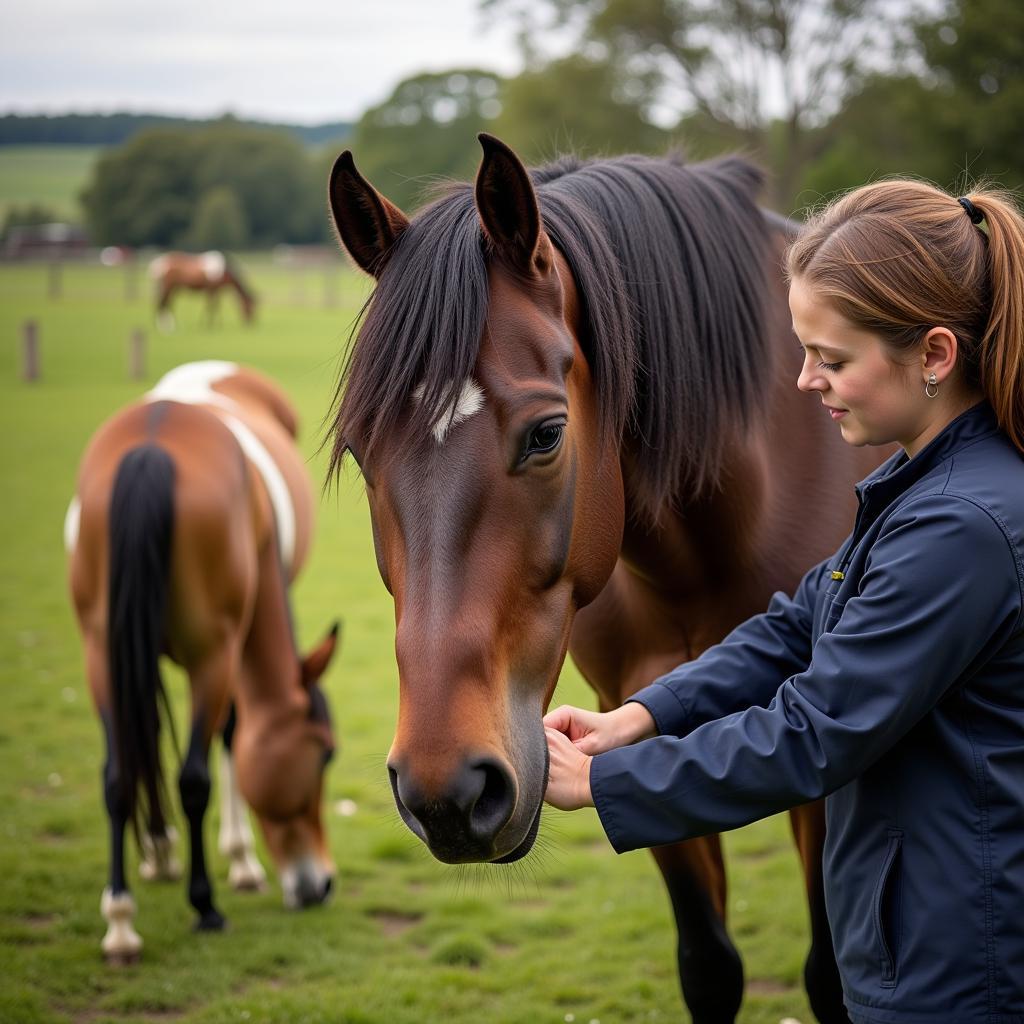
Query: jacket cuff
x=670 y=714
x=604 y=797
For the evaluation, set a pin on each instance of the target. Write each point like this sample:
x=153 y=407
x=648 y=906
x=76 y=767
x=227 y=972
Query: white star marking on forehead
x=470 y=401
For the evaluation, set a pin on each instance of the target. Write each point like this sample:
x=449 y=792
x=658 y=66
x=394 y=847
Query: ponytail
x=1001 y=354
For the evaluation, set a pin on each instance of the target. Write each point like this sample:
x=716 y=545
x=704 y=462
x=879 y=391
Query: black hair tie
x=972 y=211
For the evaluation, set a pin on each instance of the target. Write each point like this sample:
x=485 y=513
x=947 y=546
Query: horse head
x=281 y=764
x=494 y=487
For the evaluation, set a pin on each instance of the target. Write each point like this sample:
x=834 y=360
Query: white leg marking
x=122 y=942
x=235 y=840
x=159 y=863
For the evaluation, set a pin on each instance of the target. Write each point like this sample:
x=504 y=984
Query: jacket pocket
x=886 y=908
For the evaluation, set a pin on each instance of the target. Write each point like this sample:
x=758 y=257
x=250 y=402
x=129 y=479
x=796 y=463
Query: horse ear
x=315 y=663
x=507 y=206
x=367 y=223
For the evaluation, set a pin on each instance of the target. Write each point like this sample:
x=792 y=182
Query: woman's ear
x=939 y=354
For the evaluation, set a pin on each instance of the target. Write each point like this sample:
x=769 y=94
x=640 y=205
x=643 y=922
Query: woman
x=892 y=681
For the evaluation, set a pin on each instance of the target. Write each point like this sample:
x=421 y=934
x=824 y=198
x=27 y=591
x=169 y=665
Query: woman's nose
x=810 y=377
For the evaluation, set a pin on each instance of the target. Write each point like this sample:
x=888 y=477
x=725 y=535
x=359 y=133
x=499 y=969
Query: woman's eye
x=830 y=367
x=545 y=438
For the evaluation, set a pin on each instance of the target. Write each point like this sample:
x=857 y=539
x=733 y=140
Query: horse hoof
x=247 y=875
x=122 y=959
x=249 y=884
x=211 y=921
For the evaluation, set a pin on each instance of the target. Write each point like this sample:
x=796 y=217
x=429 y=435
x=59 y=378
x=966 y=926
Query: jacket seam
x=986 y=860
x=1018 y=564
x=1004 y=530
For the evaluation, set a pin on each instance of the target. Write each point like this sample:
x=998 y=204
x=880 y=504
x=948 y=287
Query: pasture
x=572 y=934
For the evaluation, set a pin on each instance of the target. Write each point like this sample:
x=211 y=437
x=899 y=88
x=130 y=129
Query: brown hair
x=899 y=257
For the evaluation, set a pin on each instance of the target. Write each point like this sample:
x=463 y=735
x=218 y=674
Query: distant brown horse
x=192 y=515
x=208 y=272
x=573 y=401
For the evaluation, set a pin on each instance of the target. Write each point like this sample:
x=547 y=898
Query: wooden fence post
x=30 y=351
x=137 y=355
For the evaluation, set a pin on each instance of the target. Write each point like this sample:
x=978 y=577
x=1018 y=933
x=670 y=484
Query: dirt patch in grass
x=768 y=987
x=395 y=922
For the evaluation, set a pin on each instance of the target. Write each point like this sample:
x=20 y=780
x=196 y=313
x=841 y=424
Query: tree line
x=114 y=129
x=825 y=94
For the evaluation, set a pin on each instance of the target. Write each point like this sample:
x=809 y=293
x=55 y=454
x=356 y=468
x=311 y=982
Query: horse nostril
x=496 y=800
x=328 y=886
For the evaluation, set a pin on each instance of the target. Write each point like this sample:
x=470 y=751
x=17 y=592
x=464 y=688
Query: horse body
x=638 y=476
x=176 y=548
x=207 y=272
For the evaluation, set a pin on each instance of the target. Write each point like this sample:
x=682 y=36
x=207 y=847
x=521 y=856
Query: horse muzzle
x=305 y=883
x=467 y=815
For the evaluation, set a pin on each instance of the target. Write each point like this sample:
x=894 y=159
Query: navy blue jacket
x=892 y=682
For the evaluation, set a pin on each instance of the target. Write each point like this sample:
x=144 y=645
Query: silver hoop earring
x=931 y=388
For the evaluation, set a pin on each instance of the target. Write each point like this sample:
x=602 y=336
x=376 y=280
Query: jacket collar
x=899 y=473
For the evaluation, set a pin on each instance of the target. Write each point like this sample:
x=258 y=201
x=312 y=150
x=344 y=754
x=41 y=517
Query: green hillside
x=50 y=175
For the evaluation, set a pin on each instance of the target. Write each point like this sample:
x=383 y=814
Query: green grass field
x=51 y=175
x=574 y=934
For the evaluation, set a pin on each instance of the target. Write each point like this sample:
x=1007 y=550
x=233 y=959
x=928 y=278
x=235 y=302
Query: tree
x=420 y=132
x=975 y=50
x=740 y=65
x=30 y=215
x=147 y=192
x=219 y=221
x=143 y=193
x=575 y=104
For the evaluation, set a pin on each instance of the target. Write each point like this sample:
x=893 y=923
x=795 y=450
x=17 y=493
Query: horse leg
x=236 y=839
x=121 y=944
x=165 y=318
x=821 y=974
x=159 y=862
x=194 y=786
x=710 y=969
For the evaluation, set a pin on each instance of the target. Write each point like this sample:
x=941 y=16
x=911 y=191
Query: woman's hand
x=568 y=774
x=593 y=732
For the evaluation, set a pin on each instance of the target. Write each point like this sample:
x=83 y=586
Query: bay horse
x=208 y=272
x=572 y=399
x=192 y=514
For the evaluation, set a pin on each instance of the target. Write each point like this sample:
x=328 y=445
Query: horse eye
x=545 y=438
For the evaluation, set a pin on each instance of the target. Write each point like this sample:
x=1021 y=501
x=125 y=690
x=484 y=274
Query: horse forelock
x=418 y=336
x=669 y=261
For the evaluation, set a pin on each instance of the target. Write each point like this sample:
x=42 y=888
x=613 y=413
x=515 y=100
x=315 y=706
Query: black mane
x=669 y=261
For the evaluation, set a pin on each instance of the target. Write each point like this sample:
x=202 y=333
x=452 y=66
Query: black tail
x=141 y=525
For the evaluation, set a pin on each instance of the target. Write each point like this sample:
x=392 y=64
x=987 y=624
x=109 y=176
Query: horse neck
x=697 y=542
x=271 y=675
x=235 y=283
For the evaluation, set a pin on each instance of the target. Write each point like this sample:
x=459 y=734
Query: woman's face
x=873 y=399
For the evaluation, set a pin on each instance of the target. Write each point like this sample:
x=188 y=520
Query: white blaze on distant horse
x=192 y=384
x=469 y=402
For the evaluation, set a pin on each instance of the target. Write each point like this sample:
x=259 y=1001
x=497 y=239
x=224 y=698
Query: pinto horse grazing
x=192 y=515
x=573 y=402
x=208 y=272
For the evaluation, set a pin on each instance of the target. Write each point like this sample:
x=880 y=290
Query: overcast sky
x=293 y=60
